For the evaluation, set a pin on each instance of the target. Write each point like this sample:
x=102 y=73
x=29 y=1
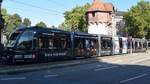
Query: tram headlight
x=33 y=56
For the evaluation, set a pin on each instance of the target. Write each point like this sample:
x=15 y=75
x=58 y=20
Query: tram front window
x=12 y=39
x=25 y=41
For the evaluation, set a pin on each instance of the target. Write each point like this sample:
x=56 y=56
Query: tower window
x=93 y=14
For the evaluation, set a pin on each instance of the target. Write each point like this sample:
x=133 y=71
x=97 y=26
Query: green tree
x=138 y=20
x=16 y=20
x=26 y=22
x=75 y=19
x=41 y=24
x=8 y=24
x=13 y=21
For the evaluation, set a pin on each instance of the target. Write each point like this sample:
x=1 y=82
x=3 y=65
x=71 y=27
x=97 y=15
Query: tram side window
x=94 y=44
x=145 y=44
x=79 y=43
x=136 y=44
x=25 y=41
x=106 y=43
x=120 y=43
x=50 y=44
x=148 y=44
x=129 y=45
x=88 y=43
x=140 y=44
x=40 y=41
x=61 y=43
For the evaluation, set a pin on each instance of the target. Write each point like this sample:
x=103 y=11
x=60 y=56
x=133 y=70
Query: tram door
x=123 y=45
x=130 y=45
x=79 y=45
x=91 y=47
x=40 y=46
x=106 y=45
x=116 y=47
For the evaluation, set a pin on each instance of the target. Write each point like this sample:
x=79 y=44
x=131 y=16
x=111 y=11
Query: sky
x=51 y=11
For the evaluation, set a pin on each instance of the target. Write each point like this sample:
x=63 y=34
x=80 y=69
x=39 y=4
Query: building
x=99 y=18
x=102 y=18
x=120 y=23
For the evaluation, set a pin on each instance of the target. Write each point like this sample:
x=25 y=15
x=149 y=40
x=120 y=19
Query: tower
x=99 y=18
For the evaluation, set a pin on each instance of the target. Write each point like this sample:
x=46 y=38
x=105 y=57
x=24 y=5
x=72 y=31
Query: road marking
x=141 y=60
x=98 y=65
x=133 y=78
x=15 y=78
x=106 y=68
x=46 y=76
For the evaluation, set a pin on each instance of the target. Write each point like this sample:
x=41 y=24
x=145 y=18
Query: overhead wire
x=34 y=6
x=43 y=12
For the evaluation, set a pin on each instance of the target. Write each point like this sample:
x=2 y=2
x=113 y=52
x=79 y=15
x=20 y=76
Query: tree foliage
x=41 y=24
x=138 y=20
x=75 y=19
x=12 y=22
x=15 y=21
x=26 y=22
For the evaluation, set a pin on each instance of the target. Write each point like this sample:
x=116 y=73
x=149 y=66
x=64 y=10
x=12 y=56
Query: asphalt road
x=120 y=72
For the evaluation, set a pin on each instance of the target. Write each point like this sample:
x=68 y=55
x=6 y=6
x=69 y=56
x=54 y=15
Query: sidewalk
x=60 y=64
x=127 y=58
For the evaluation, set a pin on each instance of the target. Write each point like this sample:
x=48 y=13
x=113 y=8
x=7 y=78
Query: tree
x=13 y=21
x=26 y=22
x=16 y=20
x=8 y=24
x=41 y=24
x=75 y=19
x=138 y=20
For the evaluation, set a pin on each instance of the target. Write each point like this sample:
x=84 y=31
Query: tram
x=35 y=44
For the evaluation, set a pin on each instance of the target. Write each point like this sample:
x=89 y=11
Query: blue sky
x=51 y=11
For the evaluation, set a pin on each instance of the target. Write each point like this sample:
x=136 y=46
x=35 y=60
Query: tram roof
x=41 y=29
x=84 y=34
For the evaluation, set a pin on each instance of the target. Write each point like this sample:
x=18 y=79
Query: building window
x=93 y=14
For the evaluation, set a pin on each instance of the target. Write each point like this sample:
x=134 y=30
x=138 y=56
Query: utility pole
x=1 y=22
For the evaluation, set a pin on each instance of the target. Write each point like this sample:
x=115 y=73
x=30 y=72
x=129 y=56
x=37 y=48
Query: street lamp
x=1 y=22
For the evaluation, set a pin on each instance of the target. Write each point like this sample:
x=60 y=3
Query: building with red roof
x=101 y=18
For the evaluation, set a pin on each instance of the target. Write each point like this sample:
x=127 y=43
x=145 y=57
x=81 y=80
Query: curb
x=19 y=70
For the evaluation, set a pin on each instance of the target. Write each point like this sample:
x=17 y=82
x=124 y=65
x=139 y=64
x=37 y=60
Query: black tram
x=36 y=44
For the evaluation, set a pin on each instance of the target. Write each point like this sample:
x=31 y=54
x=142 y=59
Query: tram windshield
x=12 y=39
x=26 y=40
